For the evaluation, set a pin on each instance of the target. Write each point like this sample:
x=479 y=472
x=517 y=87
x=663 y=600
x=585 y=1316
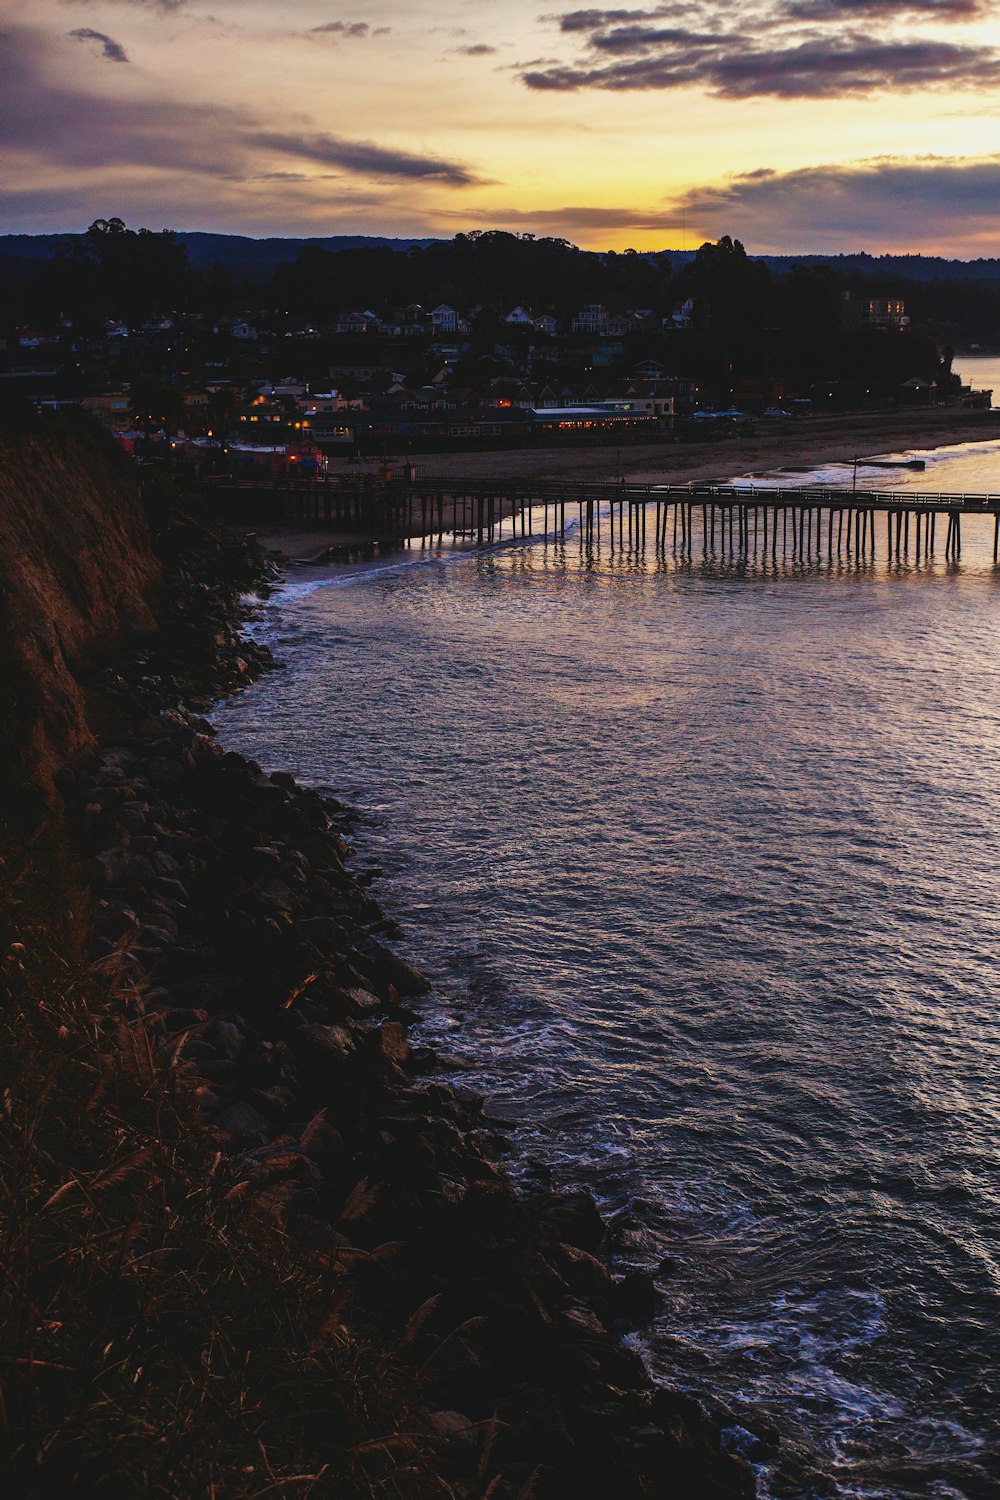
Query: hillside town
x=258 y=386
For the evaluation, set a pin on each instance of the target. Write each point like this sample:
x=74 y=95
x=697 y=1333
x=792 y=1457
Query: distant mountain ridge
x=248 y=257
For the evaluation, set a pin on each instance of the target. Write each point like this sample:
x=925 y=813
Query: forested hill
x=251 y=258
x=241 y=255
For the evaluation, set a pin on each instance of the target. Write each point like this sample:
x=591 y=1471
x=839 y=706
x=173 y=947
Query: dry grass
x=159 y=1334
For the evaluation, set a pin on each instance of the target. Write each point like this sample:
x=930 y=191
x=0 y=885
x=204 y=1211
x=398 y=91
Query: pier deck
x=802 y=521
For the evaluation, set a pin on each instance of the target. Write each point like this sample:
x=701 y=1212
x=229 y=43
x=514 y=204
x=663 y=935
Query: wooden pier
x=804 y=523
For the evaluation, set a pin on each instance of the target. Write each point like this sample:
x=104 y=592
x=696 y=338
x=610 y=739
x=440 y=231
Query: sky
x=794 y=125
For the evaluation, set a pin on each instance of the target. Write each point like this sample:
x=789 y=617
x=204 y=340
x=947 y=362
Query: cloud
x=52 y=126
x=562 y=221
x=819 y=68
x=477 y=49
x=835 y=10
x=930 y=202
x=786 y=49
x=166 y=7
x=645 y=38
x=593 y=20
x=365 y=158
x=251 y=208
x=112 y=50
x=346 y=28
x=937 y=205
x=50 y=122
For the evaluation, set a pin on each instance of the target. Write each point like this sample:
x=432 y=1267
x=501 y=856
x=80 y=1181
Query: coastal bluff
x=78 y=577
x=261 y=1242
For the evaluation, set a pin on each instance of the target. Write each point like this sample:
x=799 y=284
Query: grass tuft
x=159 y=1334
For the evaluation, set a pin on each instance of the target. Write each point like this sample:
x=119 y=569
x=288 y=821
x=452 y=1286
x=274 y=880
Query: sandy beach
x=808 y=442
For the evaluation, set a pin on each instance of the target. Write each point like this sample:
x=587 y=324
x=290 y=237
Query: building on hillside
x=112 y=409
x=654 y=403
x=682 y=314
x=887 y=314
x=546 y=324
x=444 y=319
x=590 y=319
x=261 y=416
x=358 y=322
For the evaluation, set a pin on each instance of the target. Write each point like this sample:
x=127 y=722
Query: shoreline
x=227 y=901
x=814 y=442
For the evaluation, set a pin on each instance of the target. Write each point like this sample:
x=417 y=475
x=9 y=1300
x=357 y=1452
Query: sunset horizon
x=799 y=126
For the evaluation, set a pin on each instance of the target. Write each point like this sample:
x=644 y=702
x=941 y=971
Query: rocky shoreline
x=257 y=961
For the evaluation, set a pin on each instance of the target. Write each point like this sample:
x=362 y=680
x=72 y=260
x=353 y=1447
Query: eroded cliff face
x=77 y=579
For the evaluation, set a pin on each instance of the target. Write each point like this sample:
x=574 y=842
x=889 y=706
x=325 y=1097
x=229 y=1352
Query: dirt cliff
x=77 y=579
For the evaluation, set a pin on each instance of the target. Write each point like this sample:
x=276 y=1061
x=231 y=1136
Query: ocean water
x=704 y=860
x=981 y=371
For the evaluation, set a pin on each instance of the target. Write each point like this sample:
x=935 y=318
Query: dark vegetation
x=113 y=271
x=754 y=329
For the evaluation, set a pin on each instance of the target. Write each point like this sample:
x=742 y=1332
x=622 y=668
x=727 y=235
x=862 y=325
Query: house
x=653 y=403
x=885 y=313
x=258 y=421
x=519 y=317
x=590 y=319
x=548 y=325
x=510 y=393
x=358 y=322
x=112 y=409
x=325 y=403
x=682 y=315
x=444 y=319
x=916 y=391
